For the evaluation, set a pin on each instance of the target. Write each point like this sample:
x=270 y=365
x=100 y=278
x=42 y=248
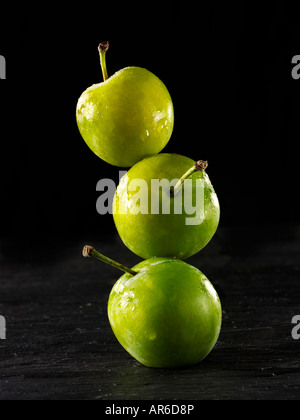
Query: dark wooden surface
x=60 y=346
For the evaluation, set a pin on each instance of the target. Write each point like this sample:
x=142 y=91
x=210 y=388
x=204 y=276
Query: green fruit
x=166 y=235
x=127 y=117
x=167 y=315
x=164 y=312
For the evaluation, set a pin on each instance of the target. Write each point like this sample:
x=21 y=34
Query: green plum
x=127 y=117
x=164 y=312
x=149 y=228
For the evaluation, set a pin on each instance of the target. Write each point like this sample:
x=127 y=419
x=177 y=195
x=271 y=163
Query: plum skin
x=165 y=235
x=168 y=315
x=126 y=118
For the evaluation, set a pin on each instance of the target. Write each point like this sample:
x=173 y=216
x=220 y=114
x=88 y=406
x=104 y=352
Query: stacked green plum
x=163 y=311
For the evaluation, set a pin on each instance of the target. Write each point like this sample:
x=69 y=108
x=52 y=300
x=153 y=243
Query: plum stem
x=90 y=252
x=200 y=165
x=103 y=48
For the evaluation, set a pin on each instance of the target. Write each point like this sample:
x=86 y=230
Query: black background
x=228 y=70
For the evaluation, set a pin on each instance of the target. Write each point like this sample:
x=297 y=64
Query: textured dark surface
x=60 y=346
